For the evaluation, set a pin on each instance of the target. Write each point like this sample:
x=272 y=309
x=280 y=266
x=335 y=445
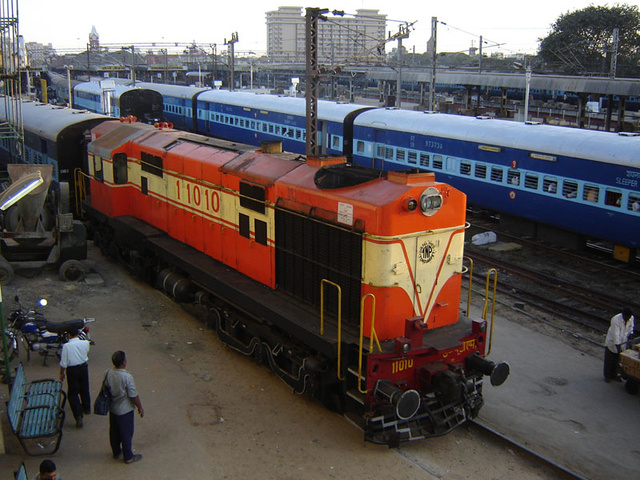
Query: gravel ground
x=211 y=413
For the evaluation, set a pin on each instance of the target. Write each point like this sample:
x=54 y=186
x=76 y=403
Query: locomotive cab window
x=252 y=197
x=151 y=164
x=97 y=168
x=120 y=173
x=613 y=198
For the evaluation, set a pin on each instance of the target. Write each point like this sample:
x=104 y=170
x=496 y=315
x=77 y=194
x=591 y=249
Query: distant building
x=38 y=54
x=340 y=39
x=94 y=40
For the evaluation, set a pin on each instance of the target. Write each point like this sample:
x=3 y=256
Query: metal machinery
x=38 y=228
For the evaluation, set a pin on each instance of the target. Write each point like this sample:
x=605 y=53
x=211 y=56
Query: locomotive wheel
x=258 y=354
x=72 y=271
x=6 y=272
x=632 y=387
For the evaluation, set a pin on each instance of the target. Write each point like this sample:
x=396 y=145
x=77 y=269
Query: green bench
x=36 y=413
x=21 y=473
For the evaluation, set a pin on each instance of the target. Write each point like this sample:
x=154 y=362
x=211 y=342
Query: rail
x=470 y=270
x=372 y=336
x=80 y=188
x=493 y=303
x=322 y=284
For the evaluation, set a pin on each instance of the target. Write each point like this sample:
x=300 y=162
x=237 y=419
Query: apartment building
x=341 y=39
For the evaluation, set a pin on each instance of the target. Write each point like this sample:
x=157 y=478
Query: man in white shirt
x=73 y=361
x=618 y=334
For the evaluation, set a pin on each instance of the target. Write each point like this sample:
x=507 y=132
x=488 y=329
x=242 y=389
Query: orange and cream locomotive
x=345 y=281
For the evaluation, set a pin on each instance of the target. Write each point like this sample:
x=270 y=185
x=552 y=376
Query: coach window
x=513 y=177
x=359 y=146
x=437 y=161
x=497 y=174
x=550 y=185
x=613 y=198
x=634 y=203
x=413 y=157
x=388 y=153
x=120 y=174
x=569 y=189
x=465 y=168
x=424 y=159
x=591 y=193
x=481 y=170
x=531 y=181
x=401 y=155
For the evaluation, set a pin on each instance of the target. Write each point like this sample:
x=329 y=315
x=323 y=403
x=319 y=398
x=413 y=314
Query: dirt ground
x=209 y=412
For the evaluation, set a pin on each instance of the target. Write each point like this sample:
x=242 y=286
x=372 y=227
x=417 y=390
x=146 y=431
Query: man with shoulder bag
x=124 y=399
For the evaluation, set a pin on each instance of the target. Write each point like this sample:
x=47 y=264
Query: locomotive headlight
x=430 y=201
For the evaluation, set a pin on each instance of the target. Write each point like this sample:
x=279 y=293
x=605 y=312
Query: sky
x=507 y=26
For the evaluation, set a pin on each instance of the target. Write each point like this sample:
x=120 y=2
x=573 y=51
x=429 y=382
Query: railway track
x=569 y=287
x=584 y=305
x=558 y=471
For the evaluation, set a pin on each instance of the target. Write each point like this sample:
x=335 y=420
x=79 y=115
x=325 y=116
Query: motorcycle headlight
x=430 y=201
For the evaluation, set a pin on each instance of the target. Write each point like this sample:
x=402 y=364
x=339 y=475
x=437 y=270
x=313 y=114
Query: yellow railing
x=372 y=336
x=80 y=188
x=470 y=285
x=322 y=284
x=493 y=302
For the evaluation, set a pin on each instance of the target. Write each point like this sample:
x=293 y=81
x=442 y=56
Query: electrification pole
x=434 y=56
x=234 y=39
x=312 y=79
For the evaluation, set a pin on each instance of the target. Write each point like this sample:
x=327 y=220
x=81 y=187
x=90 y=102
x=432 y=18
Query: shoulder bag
x=102 y=404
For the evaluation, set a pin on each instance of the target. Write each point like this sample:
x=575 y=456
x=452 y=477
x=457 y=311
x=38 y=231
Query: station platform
x=557 y=403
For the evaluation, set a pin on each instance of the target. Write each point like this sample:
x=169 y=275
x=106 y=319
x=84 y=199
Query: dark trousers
x=78 y=390
x=611 y=362
x=121 y=434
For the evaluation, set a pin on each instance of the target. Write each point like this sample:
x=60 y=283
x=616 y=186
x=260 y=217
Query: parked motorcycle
x=37 y=334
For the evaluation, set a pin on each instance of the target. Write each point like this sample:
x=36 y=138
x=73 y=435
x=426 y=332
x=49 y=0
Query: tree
x=581 y=42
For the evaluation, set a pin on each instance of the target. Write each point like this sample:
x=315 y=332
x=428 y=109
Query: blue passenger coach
x=553 y=175
x=178 y=103
x=118 y=98
x=254 y=118
x=52 y=136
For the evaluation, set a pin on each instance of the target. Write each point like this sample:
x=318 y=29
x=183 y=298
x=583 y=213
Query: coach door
x=379 y=150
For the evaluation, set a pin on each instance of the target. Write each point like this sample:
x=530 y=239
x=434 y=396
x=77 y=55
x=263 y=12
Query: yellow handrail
x=470 y=284
x=371 y=336
x=322 y=283
x=493 y=303
x=80 y=188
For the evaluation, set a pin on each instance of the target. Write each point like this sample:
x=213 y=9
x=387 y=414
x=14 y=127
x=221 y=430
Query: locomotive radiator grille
x=308 y=251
